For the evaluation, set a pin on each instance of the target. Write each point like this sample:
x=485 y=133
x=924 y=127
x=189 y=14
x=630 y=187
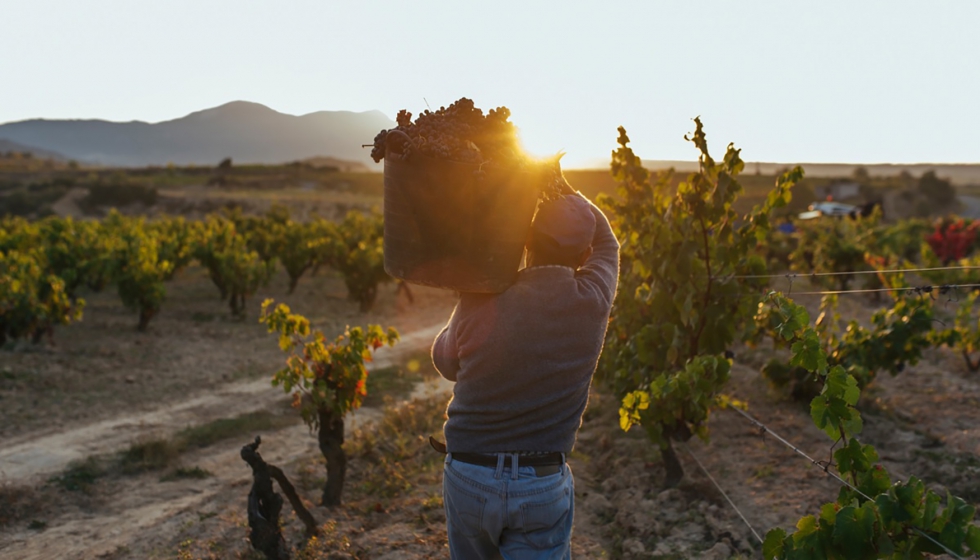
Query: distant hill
x=8 y=146
x=246 y=132
x=957 y=173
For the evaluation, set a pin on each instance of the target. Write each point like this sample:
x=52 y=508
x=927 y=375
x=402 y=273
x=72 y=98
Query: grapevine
x=31 y=302
x=679 y=306
x=357 y=251
x=898 y=335
x=140 y=268
x=872 y=517
x=326 y=379
x=236 y=270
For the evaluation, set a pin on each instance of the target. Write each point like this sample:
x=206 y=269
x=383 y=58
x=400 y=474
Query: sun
x=535 y=145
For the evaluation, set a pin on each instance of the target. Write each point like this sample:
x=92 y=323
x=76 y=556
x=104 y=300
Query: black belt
x=544 y=464
x=544 y=460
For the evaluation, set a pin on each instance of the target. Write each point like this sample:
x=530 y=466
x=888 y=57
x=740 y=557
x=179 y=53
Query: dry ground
x=103 y=388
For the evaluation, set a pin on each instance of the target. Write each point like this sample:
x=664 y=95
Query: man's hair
x=547 y=251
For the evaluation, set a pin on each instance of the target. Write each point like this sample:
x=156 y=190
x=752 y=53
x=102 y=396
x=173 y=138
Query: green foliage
x=176 y=241
x=321 y=374
x=779 y=247
x=80 y=253
x=243 y=273
x=236 y=269
x=839 y=245
x=138 y=255
x=679 y=306
x=31 y=301
x=831 y=245
x=214 y=237
x=140 y=268
x=872 y=518
x=260 y=233
x=898 y=335
x=964 y=334
x=357 y=251
x=299 y=246
x=901 y=241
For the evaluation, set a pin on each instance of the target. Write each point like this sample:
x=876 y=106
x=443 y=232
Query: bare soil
x=103 y=369
x=103 y=386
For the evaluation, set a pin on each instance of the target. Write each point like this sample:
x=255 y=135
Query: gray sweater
x=523 y=359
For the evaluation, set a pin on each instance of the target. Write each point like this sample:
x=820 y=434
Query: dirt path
x=67 y=206
x=143 y=516
x=36 y=458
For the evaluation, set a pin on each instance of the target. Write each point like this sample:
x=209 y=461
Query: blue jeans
x=499 y=513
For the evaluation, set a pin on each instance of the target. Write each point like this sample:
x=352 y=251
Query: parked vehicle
x=833 y=208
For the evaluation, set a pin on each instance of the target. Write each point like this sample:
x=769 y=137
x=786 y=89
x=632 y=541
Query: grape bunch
x=460 y=132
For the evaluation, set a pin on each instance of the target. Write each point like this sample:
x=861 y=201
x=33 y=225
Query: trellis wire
x=723 y=493
x=826 y=469
x=918 y=289
x=890 y=271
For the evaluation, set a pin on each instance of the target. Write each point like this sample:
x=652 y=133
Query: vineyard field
x=102 y=366
x=924 y=422
x=121 y=442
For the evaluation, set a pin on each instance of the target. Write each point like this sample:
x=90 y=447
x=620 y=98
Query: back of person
x=529 y=353
x=523 y=362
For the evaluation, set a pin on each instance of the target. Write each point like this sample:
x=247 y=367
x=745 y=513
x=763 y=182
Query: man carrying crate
x=523 y=362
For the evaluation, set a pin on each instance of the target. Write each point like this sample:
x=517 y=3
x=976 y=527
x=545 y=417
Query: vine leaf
x=795 y=319
x=891 y=511
x=973 y=538
x=772 y=547
x=957 y=516
x=808 y=354
x=854 y=531
x=807 y=544
x=852 y=458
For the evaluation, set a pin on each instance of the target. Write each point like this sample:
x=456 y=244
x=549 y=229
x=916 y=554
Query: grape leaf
x=891 y=510
x=808 y=354
x=772 y=547
x=851 y=458
x=854 y=532
x=972 y=538
x=794 y=319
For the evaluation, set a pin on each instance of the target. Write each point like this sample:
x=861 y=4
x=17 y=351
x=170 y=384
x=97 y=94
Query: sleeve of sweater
x=445 y=351
x=601 y=269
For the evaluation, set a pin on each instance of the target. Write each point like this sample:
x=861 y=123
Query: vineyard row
x=45 y=265
x=692 y=285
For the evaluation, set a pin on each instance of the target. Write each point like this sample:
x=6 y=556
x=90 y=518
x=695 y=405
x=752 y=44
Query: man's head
x=561 y=233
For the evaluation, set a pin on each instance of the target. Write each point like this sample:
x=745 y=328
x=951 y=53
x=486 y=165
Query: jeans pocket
x=546 y=523
x=464 y=507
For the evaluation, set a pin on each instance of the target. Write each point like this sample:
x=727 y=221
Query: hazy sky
x=788 y=81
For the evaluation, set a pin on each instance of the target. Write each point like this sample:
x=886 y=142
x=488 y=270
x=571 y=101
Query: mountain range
x=6 y=146
x=253 y=133
x=244 y=131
